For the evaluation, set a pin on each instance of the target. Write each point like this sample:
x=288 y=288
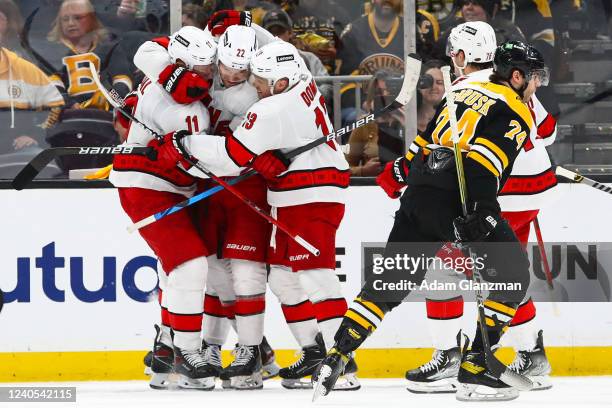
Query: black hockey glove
x=478 y=224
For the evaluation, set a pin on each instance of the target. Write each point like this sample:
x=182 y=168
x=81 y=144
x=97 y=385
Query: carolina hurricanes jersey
x=285 y=121
x=157 y=110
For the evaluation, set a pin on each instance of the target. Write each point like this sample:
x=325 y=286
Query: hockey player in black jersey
x=493 y=125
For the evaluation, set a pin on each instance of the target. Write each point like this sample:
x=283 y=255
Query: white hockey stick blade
x=570 y=175
x=142 y=223
x=96 y=78
x=412 y=72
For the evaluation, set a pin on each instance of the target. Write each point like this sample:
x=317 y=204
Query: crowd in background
x=48 y=98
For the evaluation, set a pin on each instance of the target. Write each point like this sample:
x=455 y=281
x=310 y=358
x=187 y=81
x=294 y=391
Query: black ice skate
x=212 y=358
x=476 y=383
x=245 y=371
x=295 y=376
x=327 y=373
x=268 y=360
x=534 y=365
x=147 y=362
x=439 y=375
x=193 y=370
x=162 y=363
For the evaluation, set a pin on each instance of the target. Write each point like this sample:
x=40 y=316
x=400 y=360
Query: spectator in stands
x=26 y=95
x=194 y=15
x=76 y=38
x=318 y=24
x=430 y=96
x=11 y=24
x=279 y=24
x=373 y=145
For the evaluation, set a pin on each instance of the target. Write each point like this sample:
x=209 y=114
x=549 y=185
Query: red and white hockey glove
x=393 y=177
x=270 y=164
x=185 y=86
x=170 y=150
x=219 y=21
x=130 y=102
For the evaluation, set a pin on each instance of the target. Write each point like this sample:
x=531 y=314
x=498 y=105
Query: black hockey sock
x=493 y=333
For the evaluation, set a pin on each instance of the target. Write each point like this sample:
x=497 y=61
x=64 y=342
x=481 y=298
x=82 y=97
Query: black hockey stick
x=411 y=78
x=496 y=367
x=42 y=159
x=25 y=43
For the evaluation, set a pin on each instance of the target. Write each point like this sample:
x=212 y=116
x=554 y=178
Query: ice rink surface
x=384 y=393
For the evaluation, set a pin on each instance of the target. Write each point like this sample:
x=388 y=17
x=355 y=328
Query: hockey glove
x=393 y=177
x=478 y=224
x=170 y=150
x=130 y=102
x=270 y=164
x=184 y=86
x=219 y=21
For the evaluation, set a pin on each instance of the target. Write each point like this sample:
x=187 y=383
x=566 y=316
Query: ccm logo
x=247 y=248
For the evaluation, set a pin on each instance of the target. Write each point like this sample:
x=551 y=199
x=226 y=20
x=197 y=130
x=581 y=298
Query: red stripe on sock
x=213 y=306
x=251 y=305
x=330 y=309
x=445 y=309
x=524 y=313
x=186 y=322
x=299 y=312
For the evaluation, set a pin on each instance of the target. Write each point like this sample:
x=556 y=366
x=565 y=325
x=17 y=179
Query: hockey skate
x=162 y=363
x=534 y=365
x=476 y=383
x=193 y=370
x=268 y=360
x=348 y=380
x=212 y=358
x=245 y=372
x=439 y=375
x=295 y=376
x=327 y=373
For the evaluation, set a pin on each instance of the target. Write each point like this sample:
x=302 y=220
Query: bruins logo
x=15 y=91
x=382 y=61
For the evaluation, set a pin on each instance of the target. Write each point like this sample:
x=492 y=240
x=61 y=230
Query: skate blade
x=147 y=371
x=270 y=370
x=347 y=382
x=226 y=384
x=247 y=382
x=201 y=384
x=319 y=389
x=161 y=381
x=304 y=383
x=476 y=392
x=540 y=383
x=444 y=386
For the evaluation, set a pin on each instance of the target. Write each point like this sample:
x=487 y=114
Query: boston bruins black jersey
x=493 y=125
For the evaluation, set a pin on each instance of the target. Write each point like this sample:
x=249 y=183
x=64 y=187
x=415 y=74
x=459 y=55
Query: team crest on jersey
x=284 y=58
x=382 y=61
x=15 y=91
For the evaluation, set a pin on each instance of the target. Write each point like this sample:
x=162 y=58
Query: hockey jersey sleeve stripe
x=547 y=127
x=499 y=153
x=238 y=152
x=420 y=141
x=529 y=184
x=163 y=41
x=484 y=158
x=371 y=307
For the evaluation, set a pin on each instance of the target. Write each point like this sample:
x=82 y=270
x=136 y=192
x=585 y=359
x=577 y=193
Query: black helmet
x=513 y=55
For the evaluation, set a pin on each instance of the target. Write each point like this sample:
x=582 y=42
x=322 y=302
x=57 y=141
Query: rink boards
x=81 y=304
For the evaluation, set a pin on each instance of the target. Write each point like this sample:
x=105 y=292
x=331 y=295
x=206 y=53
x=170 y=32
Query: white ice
x=387 y=393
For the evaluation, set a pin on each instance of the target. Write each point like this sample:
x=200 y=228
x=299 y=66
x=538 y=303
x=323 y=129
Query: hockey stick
x=117 y=102
x=545 y=264
x=411 y=78
x=578 y=178
x=497 y=368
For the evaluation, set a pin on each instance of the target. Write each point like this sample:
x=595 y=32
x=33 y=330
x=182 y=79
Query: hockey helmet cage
x=192 y=46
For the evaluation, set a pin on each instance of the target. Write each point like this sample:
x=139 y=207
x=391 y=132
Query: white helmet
x=237 y=46
x=192 y=46
x=476 y=39
x=278 y=60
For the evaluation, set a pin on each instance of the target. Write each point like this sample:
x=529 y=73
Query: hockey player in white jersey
x=308 y=196
x=145 y=187
x=471 y=47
